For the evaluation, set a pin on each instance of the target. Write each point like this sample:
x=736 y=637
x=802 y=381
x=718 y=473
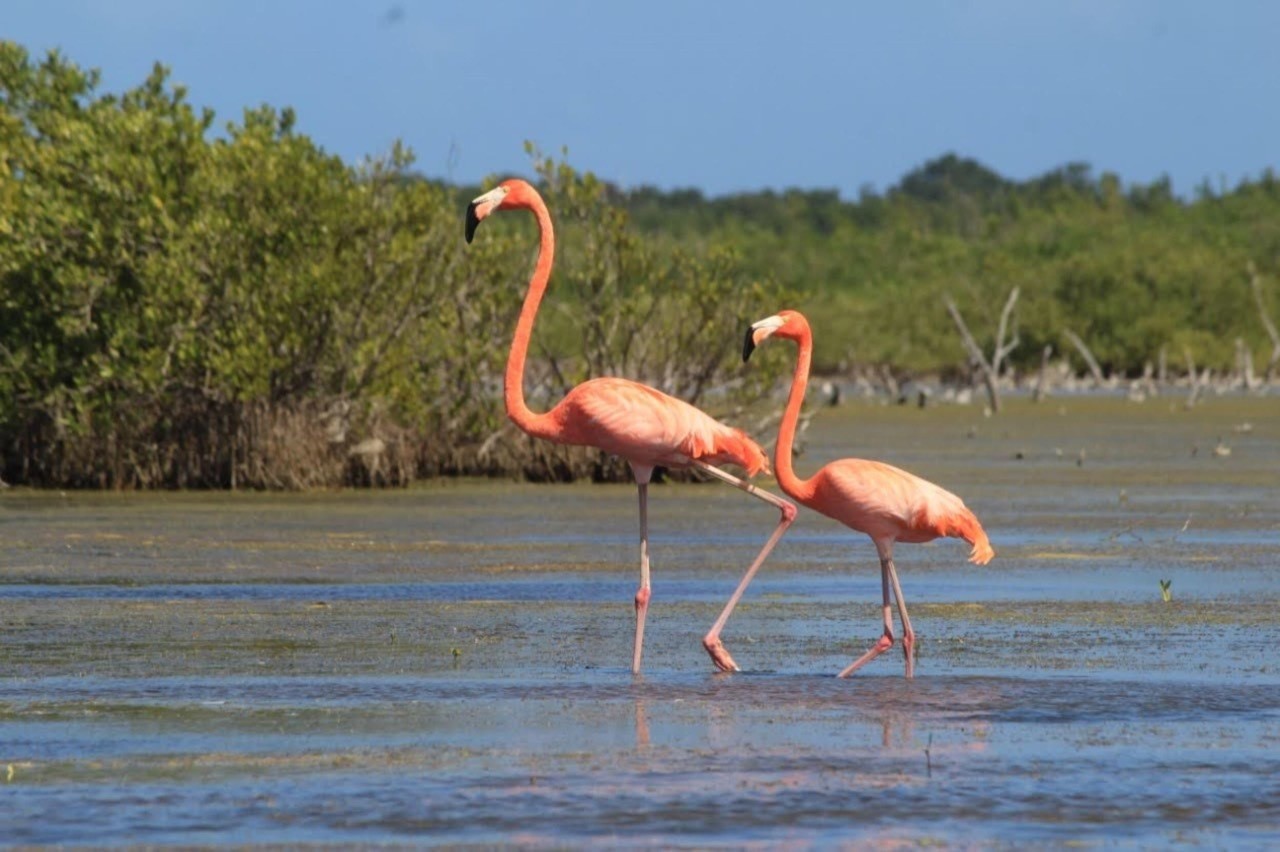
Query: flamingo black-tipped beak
x=472 y=220
x=759 y=332
x=480 y=208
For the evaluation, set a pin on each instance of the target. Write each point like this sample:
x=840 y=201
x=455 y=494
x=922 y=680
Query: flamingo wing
x=648 y=427
x=885 y=501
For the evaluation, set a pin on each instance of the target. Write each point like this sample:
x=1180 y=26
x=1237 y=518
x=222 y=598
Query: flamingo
x=884 y=502
x=642 y=425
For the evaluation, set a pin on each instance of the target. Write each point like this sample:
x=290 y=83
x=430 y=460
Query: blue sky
x=724 y=96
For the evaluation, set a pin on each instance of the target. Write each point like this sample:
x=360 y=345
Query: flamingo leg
x=642 y=594
x=886 y=641
x=712 y=642
x=908 y=635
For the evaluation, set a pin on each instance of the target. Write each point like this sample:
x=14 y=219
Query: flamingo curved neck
x=799 y=489
x=513 y=384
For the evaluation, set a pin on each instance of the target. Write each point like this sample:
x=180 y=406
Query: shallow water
x=450 y=664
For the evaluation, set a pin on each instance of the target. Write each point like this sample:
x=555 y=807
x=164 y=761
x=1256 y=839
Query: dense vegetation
x=1130 y=270
x=179 y=308
x=185 y=305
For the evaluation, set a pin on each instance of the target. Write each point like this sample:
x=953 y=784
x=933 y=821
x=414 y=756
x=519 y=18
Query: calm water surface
x=451 y=664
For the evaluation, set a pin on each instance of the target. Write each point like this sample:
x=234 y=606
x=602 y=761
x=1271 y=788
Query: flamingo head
x=789 y=324
x=507 y=195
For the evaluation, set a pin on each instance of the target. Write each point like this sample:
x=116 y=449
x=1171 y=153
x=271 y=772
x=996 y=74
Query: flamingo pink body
x=885 y=502
x=889 y=505
x=634 y=421
x=646 y=427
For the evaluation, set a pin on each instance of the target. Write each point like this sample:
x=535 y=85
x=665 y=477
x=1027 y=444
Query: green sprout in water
x=1166 y=590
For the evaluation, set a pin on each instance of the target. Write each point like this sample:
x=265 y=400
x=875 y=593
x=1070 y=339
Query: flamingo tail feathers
x=735 y=446
x=965 y=525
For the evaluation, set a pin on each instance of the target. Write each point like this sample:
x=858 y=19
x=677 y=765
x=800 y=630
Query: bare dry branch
x=971 y=345
x=1042 y=389
x=1002 y=349
x=1086 y=354
x=1255 y=282
x=1192 y=379
x=990 y=369
x=1244 y=366
x=891 y=386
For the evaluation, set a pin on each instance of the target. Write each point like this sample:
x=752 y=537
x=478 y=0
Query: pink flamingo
x=885 y=502
x=644 y=426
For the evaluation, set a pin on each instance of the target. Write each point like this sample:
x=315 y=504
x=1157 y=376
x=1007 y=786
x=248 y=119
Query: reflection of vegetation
x=177 y=310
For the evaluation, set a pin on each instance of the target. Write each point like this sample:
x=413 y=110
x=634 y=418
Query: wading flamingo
x=644 y=426
x=885 y=502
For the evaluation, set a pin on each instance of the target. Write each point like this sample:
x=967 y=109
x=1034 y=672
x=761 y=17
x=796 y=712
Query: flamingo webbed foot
x=883 y=644
x=719 y=655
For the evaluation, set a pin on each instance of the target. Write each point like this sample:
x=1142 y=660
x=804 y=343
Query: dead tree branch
x=1002 y=349
x=1087 y=355
x=1192 y=379
x=1255 y=282
x=1042 y=381
x=989 y=368
x=1244 y=366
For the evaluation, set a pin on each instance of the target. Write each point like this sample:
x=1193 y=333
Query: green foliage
x=1129 y=269
x=183 y=310
x=620 y=305
x=179 y=310
x=670 y=318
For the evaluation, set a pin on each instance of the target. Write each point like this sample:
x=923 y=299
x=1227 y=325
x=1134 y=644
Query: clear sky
x=723 y=96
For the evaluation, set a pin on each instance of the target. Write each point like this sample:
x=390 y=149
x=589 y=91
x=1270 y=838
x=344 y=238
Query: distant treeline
x=185 y=308
x=1129 y=268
